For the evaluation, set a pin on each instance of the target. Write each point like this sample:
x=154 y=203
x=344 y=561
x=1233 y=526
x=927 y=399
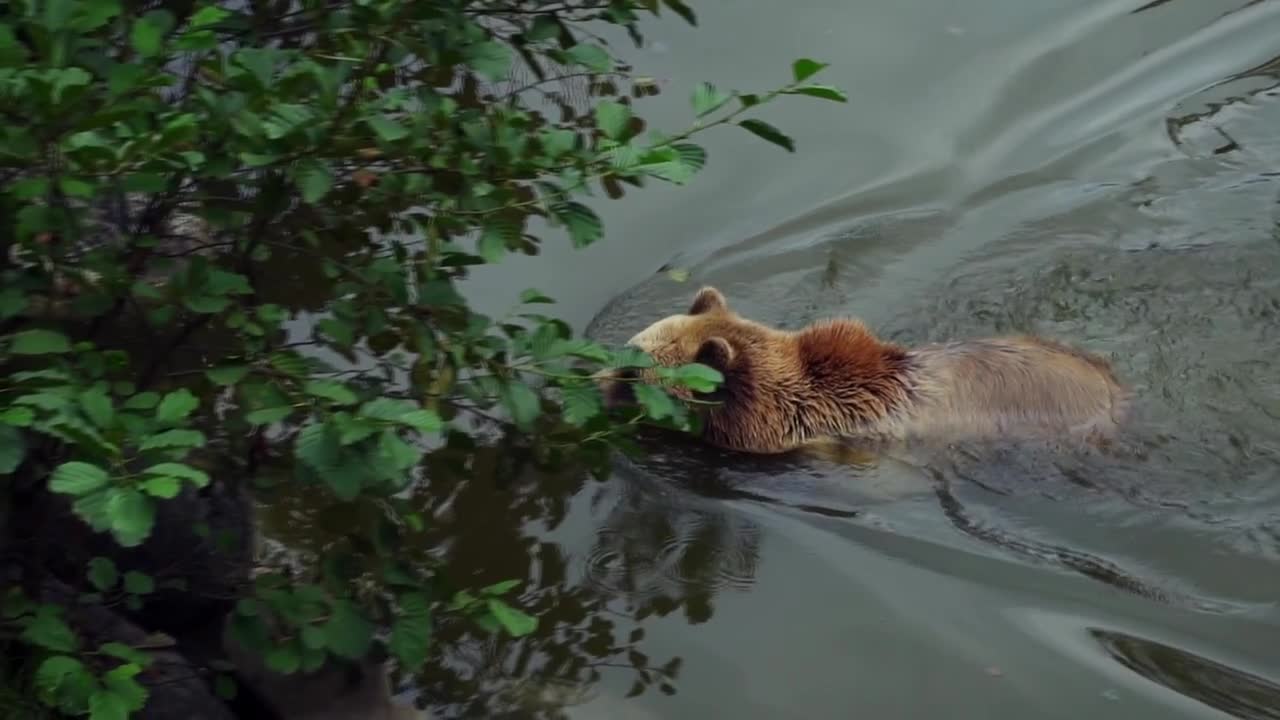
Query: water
x=1105 y=173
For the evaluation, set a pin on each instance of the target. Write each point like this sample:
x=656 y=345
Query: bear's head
x=759 y=365
x=780 y=388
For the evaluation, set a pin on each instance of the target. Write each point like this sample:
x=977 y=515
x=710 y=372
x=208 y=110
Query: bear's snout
x=617 y=386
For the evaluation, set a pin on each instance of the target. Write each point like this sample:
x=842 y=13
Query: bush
x=232 y=239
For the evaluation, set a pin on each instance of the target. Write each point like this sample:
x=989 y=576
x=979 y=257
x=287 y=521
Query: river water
x=1102 y=172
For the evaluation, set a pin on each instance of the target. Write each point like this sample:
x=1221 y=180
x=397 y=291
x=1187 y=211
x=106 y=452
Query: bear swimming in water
x=834 y=380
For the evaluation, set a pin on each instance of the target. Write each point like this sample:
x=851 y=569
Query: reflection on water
x=1219 y=686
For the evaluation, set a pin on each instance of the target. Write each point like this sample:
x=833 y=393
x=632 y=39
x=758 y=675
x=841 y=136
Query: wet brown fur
x=835 y=380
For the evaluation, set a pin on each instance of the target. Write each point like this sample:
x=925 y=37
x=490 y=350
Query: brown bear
x=835 y=381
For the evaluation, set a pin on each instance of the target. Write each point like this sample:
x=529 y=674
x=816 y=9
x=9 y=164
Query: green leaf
x=498 y=235
x=47 y=630
x=804 y=68
x=762 y=129
x=224 y=686
x=131 y=514
x=707 y=99
x=515 y=622
x=386 y=128
x=657 y=404
x=77 y=478
x=165 y=487
x=175 y=406
x=581 y=403
x=229 y=375
x=12 y=302
x=208 y=15
x=826 y=92
x=699 y=378
x=347 y=633
x=613 y=119
x=501 y=588
x=592 y=57
x=268 y=416
x=173 y=438
x=38 y=342
x=120 y=681
x=584 y=225
x=138 y=583
x=17 y=416
x=330 y=390
x=147 y=34
x=424 y=420
x=107 y=705
x=411 y=631
x=177 y=470
x=58 y=672
x=522 y=402
x=13 y=446
x=97 y=407
x=125 y=653
x=102 y=573
x=490 y=58
x=142 y=401
x=313 y=179
x=531 y=296
x=284 y=659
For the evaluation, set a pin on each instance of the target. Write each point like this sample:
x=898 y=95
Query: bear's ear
x=708 y=299
x=717 y=353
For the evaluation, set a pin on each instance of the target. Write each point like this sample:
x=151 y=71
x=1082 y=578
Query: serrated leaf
x=386 y=128
x=500 y=588
x=592 y=57
x=347 y=633
x=411 y=631
x=826 y=92
x=208 y=15
x=13 y=447
x=804 y=68
x=138 y=583
x=580 y=403
x=165 y=487
x=77 y=478
x=55 y=673
x=313 y=178
x=177 y=470
x=330 y=390
x=707 y=99
x=125 y=653
x=424 y=420
x=284 y=659
x=497 y=235
x=131 y=514
x=515 y=622
x=490 y=58
x=583 y=224
x=107 y=705
x=96 y=405
x=268 y=416
x=175 y=406
x=657 y=404
x=699 y=377
x=48 y=630
x=764 y=130
x=173 y=439
x=142 y=401
x=17 y=416
x=532 y=296
x=120 y=681
x=38 y=342
x=229 y=375
x=692 y=156
x=102 y=573
x=613 y=119
x=147 y=35
x=522 y=402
